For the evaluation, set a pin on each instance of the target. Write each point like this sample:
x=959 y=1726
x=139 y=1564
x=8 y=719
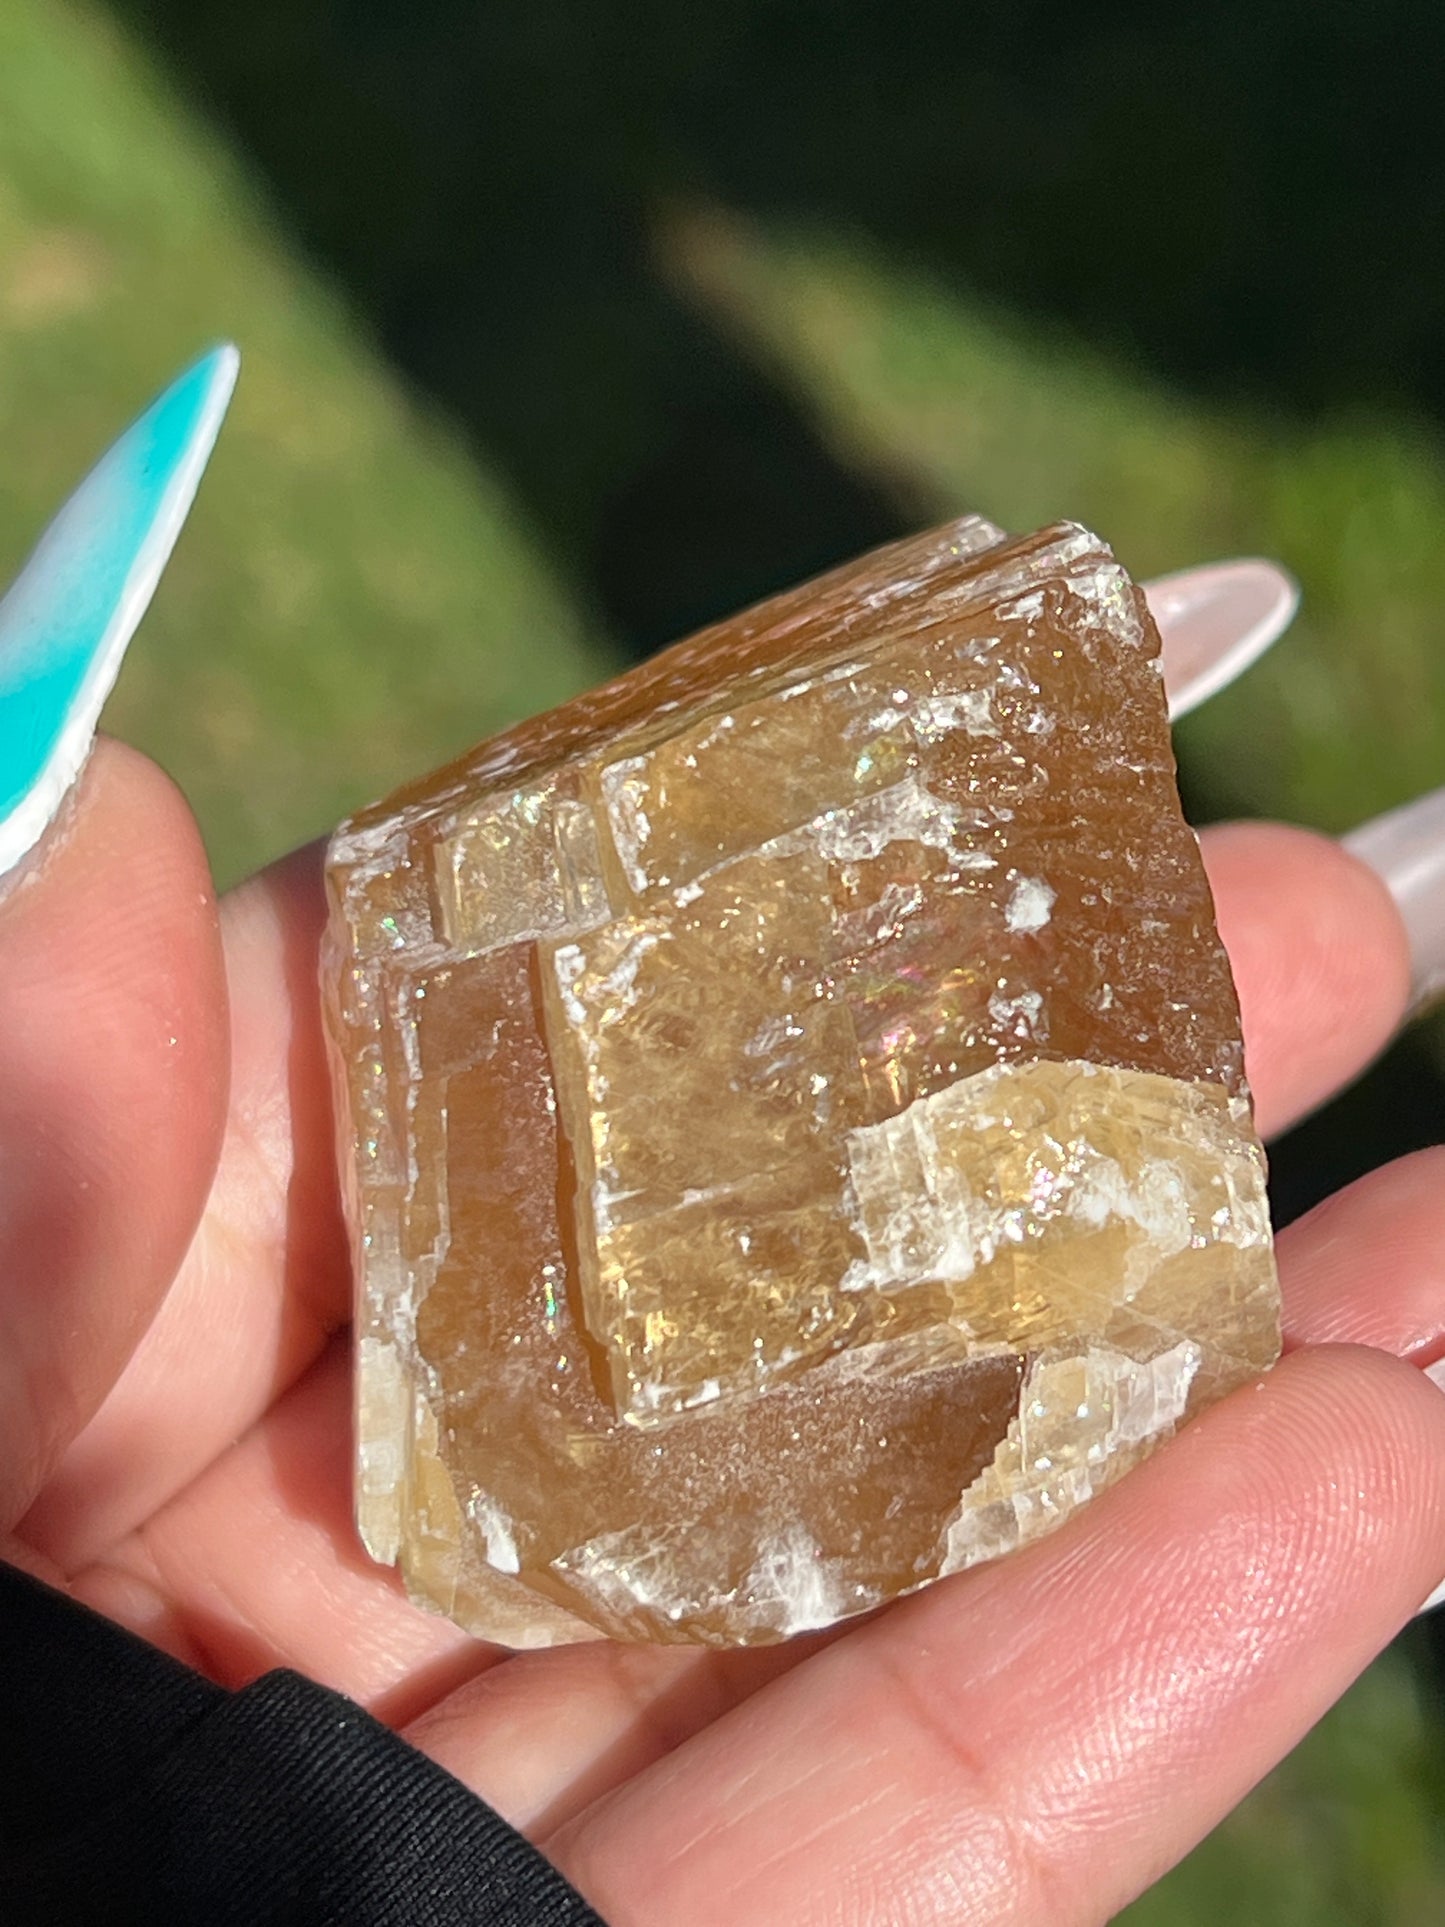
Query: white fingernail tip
x=66 y=621
x=1215 y=621
x=1406 y=850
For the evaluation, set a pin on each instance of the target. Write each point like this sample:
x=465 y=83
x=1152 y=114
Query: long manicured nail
x=66 y=620
x=1215 y=621
x=1406 y=848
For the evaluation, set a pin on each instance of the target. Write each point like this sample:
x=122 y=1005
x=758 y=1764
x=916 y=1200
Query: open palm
x=1032 y=1742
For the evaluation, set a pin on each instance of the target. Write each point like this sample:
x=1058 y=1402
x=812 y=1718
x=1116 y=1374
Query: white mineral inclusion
x=1030 y=906
x=496 y=1531
x=907 y=812
x=792 y=1573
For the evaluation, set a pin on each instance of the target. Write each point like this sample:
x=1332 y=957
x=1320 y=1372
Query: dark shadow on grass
x=1246 y=199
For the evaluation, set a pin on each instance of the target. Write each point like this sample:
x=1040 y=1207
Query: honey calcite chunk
x=793 y=1113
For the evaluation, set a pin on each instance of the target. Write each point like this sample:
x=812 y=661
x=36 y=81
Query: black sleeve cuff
x=144 y=1793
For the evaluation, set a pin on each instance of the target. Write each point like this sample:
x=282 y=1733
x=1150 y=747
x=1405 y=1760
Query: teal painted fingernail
x=67 y=619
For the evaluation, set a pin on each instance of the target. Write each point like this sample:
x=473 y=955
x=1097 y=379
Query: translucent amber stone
x=792 y=1111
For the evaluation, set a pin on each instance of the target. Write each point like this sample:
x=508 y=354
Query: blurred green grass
x=353 y=595
x=963 y=408
x=357 y=596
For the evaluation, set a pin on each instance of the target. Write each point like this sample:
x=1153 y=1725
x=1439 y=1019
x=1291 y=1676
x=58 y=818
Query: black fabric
x=133 y=1790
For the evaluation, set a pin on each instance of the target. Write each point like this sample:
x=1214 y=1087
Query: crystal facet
x=793 y=1113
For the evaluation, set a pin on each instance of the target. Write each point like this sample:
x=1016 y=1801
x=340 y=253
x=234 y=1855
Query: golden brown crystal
x=793 y=1110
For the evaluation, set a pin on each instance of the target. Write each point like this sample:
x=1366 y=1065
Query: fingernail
x=1215 y=621
x=66 y=621
x=1406 y=849
x=1436 y=1373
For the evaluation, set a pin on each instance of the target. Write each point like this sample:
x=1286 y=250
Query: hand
x=1031 y=1742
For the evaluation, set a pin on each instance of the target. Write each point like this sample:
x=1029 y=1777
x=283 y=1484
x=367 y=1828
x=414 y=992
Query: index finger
x=112 y=1082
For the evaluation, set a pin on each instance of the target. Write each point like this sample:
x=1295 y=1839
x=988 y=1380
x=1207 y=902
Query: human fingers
x=1038 y=1741
x=112 y=1091
x=547 y=1734
x=1320 y=958
x=112 y=1061
x=268 y=1270
x=257 y=1565
x=266 y=1280
x=1367 y=1266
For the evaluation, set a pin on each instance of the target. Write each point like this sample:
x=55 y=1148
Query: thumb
x=113 y=1065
